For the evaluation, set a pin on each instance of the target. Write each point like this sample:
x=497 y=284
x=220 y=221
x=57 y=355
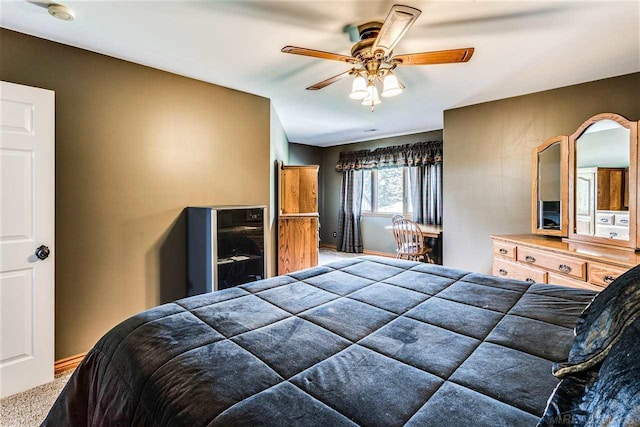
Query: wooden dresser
x=541 y=259
x=585 y=220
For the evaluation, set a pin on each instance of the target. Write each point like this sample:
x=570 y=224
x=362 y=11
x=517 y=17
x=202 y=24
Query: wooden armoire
x=297 y=217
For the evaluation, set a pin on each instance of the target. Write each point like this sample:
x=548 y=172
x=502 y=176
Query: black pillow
x=606 y=395
x=602 y=323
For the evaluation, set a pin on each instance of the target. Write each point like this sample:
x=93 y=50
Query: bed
x=366 y=341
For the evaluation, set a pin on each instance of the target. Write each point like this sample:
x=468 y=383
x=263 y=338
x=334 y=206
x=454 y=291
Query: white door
x=585 y=201
x=27 y=135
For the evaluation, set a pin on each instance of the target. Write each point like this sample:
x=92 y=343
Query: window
x=386 y=191
x=367 y=199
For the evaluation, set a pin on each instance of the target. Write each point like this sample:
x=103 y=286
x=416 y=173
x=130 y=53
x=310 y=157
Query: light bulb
x=372 y=96
x=359 y=88
x=391 y=86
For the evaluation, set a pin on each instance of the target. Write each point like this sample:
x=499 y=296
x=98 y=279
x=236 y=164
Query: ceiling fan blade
x=318 y=54
x=398 y=22
x=439 y=57
x=329 y=81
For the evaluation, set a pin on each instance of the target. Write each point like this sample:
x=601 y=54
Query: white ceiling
x=521 y=47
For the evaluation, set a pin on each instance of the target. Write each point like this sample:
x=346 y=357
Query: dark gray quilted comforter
x=366 y=341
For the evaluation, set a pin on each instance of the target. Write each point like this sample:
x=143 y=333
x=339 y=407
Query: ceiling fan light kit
x=373 y=60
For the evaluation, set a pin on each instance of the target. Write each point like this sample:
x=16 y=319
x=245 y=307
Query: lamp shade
x=359 y=88
x=391 y=86
x=372 y=96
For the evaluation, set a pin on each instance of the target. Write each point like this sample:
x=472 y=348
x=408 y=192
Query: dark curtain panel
x=426 y=193
x=349 y=235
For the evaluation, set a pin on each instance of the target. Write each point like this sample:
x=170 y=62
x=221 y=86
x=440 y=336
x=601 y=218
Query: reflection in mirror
x=602 y=181
x=549 y=187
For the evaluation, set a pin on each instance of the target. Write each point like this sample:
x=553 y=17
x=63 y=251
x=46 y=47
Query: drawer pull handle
x=613 y=234
x=607 y=278
x=605 y=220
x=529 y=258
x=503 y=251
x=502 y=271
x=530 y=280
x=564 y=268
x=624 y=221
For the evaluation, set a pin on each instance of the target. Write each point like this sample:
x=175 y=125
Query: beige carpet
x=29 y=408
x=327 y=255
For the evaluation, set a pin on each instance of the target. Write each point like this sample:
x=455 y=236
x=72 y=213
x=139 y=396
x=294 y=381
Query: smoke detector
x=61 y=12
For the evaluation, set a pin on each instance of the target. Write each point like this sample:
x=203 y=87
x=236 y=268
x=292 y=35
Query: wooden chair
x=410 y=241
x=396 y=218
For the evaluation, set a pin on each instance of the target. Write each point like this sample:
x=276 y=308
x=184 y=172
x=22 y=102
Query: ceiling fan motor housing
x=368 y=34
x=369 y=30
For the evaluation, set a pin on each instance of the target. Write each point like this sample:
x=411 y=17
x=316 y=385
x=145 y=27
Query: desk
x=433 y=231
x=430 y=232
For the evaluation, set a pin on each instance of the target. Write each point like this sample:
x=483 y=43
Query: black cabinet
x=225 y=247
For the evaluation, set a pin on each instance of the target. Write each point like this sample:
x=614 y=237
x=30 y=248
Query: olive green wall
x=134 y=147
x=301 y=154
x=374 y=235
x=487 y=159
x=279 y=152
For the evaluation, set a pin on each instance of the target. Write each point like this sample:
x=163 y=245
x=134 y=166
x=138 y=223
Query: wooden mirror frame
x=634 y=238
x=563 y=140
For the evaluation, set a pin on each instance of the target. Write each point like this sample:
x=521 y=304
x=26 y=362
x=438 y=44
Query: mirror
x=549 y=202
x=549 y=188
x=602 y=162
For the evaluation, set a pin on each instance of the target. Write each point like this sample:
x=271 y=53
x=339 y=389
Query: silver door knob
x=42 y=252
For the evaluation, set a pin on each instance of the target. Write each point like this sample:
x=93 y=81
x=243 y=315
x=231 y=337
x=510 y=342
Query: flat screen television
x=549 y=214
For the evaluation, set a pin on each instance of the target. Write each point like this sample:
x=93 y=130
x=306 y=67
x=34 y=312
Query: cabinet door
x=611 y=189
x=298 y=189
x=297 y=243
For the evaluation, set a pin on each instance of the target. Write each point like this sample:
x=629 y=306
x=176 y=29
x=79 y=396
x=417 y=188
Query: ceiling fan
x=373 y=60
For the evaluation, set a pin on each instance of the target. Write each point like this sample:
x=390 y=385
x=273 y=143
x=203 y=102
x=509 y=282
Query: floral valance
x=421 y=153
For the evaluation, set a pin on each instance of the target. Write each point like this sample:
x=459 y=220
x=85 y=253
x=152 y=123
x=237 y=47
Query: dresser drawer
x=612 y=232
x=512 y=270
x=507 y=250
x=603 y=275
x=553 y=262
x=559 y=279
x=622 y=220
x=604 y=219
